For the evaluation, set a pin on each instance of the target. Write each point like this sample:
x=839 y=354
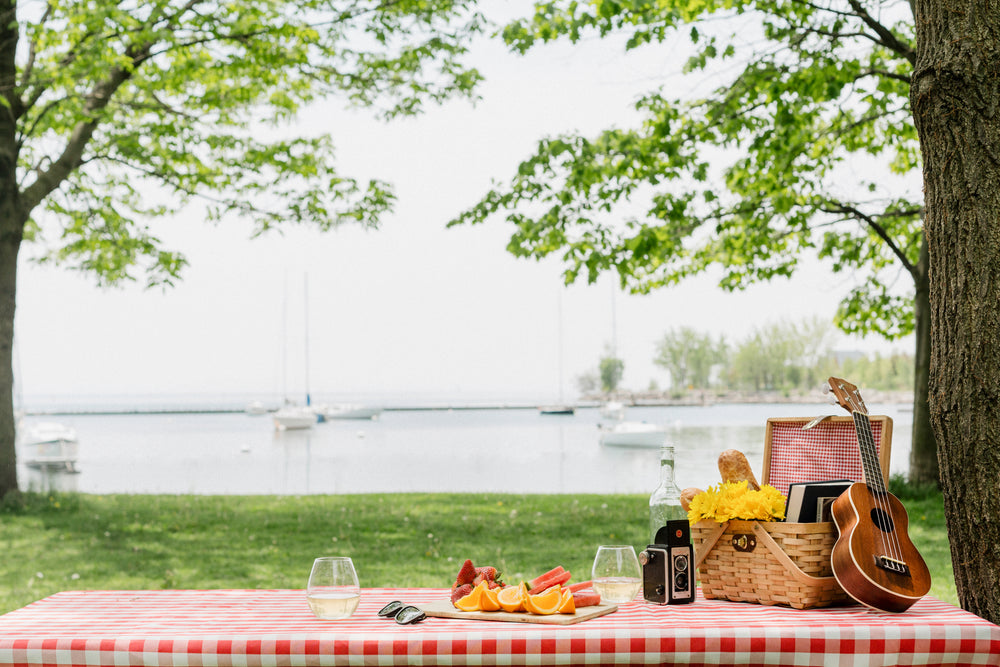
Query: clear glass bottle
x=665 y=503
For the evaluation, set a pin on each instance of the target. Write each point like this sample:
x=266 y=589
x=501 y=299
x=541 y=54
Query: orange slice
x=471 y=601
x=512 y=597
x=544 y=603
x=566 y=604
x=489 y=602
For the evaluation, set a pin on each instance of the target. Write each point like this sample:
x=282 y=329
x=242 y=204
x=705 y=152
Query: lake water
x=509 y=450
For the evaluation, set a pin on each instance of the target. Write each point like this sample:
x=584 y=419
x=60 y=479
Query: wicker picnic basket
x=778 y=563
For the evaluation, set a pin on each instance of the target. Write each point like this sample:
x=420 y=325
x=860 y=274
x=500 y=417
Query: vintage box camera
x=668 y=565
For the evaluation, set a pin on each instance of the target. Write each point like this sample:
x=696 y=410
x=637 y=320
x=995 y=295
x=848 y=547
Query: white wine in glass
x=333 y=591
x=616 y=574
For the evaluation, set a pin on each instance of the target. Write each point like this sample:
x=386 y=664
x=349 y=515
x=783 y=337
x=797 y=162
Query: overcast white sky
x=413 y=309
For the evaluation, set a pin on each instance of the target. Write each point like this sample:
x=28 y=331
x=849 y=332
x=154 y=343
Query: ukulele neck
x=869 y=453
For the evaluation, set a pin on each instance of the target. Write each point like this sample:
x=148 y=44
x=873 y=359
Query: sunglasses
x=405 y=614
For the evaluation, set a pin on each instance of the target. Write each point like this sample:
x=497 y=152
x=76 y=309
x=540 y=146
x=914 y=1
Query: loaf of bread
x=687 y=495
x=734 y=467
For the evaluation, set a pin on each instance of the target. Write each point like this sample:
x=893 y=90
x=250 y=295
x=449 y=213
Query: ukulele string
x=876 y=485
x=870 y=482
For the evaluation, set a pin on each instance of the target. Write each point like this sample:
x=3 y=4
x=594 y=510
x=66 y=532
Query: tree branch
x=72 y=154
x=885 y=74
x=879 y=230
x=886 y=36
x=38 y=89
x=33 y=49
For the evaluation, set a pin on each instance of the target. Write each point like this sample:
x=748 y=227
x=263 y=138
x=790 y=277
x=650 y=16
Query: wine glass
x=616 y=573
x=333 y=591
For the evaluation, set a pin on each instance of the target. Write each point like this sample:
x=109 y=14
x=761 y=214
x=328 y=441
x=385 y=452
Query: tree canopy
x=805 y=151
x=115 y=114
x=106 y=101
x=819 y=92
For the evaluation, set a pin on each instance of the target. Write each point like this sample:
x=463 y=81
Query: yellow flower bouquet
x=729 y=501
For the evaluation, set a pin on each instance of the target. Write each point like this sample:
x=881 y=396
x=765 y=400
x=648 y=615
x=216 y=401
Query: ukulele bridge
x=892 y=565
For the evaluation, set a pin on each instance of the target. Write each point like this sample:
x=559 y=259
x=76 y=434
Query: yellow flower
x=733 y=500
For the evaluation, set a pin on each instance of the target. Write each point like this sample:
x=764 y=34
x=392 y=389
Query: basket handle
x=709 y=542
x=765 y=537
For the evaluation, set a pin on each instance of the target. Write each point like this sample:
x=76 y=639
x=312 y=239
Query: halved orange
x=512 y=597
x=544 y=603
x=471 y=601
x=566 y=604
x=489 y=602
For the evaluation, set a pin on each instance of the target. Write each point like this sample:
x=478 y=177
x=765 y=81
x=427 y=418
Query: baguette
x=734 y=467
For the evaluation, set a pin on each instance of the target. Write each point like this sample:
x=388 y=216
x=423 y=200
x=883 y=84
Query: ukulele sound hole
x=882 y=519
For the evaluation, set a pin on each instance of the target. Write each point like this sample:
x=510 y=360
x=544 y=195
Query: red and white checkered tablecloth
x=275 y=627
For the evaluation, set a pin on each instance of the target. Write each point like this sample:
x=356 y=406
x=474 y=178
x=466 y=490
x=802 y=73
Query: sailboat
x=46 y=445
x=559 y=408
x=293 y=417
x=289 y=416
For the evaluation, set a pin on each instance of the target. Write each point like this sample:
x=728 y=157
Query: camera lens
x=680 y=582
x=680 y=563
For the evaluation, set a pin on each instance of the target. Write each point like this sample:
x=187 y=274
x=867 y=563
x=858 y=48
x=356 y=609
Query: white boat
x=613 y=410
x=292 y=418
x=48 y=445
x=346 y=411
x=256 y=408
x=633 y=434
x=556 y=409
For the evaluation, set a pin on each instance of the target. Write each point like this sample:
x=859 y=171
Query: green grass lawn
x=78 y=541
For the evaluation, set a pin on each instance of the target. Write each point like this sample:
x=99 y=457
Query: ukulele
x=873 y=560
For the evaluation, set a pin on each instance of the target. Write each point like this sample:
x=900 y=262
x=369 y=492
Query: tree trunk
x=923 y=445
x=955 y=96
x=12 y=220
x=10 y=243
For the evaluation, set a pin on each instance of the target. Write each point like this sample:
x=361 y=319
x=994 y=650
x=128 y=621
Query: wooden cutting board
x=445 y=609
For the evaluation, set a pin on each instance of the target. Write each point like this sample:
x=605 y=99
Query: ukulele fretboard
x=869 y=453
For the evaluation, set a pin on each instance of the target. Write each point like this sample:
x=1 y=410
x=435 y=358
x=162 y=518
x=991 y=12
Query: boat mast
x=306 y=309
x=560 y=337
x=614 y=322
x=284 y=340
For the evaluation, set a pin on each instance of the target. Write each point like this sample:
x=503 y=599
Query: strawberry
x=466 y=575
x=459 y=592
x=488 y=574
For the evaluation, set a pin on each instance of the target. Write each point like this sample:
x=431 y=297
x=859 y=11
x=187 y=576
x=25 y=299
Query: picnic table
x=191 y=628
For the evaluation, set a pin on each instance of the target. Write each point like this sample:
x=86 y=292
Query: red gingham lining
x=263 y=628
x=828 y=450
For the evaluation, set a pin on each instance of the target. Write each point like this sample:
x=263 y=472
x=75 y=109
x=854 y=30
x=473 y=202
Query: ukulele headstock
x=848 y=396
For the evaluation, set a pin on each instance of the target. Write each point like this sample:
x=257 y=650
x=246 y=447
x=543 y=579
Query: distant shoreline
x=635 y=399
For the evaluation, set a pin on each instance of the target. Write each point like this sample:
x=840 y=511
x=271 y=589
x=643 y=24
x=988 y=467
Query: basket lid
x=827 y=449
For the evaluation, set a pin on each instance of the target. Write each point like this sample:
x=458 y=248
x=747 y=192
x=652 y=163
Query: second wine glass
x=333 y=591
x=616 y=574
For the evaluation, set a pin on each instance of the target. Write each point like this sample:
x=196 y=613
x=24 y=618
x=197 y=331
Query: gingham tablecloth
x=275 y=627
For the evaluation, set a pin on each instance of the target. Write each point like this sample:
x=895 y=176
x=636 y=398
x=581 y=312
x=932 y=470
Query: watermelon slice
x=579 y=586
x=546 y=582
x=554 y=571
x=586 y=598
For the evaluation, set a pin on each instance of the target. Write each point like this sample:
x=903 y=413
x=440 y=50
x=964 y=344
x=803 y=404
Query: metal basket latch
x=745 y=543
